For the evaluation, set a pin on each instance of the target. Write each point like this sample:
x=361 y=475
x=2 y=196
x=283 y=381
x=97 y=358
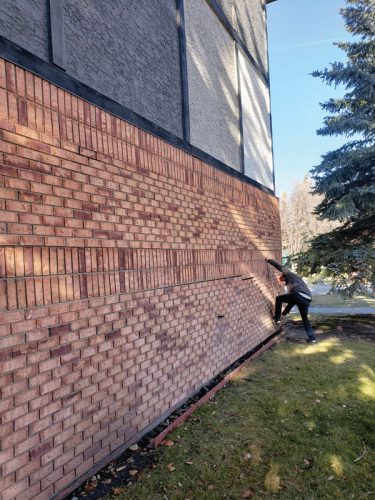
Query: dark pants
x=294 y=299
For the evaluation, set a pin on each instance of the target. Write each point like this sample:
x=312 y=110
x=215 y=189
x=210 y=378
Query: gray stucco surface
x=128 y=50
x=212 y=79
x=256 y=125
x=25 y=22
x=249 y=20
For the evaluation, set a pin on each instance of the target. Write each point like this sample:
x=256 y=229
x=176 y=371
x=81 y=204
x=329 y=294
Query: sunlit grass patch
x=297 y=424
x=341 y=358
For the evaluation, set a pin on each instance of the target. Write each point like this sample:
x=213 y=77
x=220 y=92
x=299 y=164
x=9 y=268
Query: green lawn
x=338 y=301
x=299 y=423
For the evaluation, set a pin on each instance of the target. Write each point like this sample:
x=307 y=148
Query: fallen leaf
x=134 y=447
x=167 y=442
x=121 y=468
x=133 y=472
x=247 y=456
x=248 y=494
x=210 y=486
x=171 y=468
x=306 y=461
x=188 y=462
x=331 y=478
x=118 y=491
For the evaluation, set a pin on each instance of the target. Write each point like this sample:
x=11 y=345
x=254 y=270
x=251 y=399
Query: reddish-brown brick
x=117 y=252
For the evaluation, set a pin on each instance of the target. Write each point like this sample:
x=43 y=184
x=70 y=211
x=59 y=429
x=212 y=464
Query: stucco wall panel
x=25 y=22
x=128 y=50
x=212 y=80
x=256 y=119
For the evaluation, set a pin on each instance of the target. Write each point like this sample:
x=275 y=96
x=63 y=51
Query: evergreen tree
x=346 y=176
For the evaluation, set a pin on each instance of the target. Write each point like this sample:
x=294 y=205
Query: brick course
x=131 y=273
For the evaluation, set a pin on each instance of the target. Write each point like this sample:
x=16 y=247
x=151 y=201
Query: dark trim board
x=240 y=120
x=57 y=39
x=55 y=75
x=183 y=69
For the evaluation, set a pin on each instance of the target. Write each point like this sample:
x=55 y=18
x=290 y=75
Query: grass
x=291 y=426
x=338 y=301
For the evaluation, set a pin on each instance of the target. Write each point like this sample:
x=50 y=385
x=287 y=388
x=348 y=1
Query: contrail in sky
x=309 y=44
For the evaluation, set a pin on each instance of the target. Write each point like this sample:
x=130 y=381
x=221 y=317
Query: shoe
x=311 y=341
x=277 y=321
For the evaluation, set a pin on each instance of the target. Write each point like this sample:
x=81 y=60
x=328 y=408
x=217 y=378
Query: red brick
x=13 y=108
x=59 y=330
x=6 y=455
x=19 y=261
x=2 y=74
x=8 y=482
x=14 y=464
x=22 y=111
x=16 y=489
x=98 y=205
x=3 y=104
x=10 y=77
x=21 y=83
x=25 y=420
x=40 y=450
x=25 y=444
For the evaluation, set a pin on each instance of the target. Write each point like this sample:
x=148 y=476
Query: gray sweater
x=294 y=283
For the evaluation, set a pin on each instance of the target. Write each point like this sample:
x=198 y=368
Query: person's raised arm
x=278 y=266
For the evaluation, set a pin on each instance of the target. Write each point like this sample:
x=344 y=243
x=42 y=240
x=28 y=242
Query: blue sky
x=300 y=36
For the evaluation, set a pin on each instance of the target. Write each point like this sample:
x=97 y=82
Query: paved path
x=342 y=310
x=349 y=311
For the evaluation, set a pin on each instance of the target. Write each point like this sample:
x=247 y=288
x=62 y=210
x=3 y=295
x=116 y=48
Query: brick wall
x=118 y=254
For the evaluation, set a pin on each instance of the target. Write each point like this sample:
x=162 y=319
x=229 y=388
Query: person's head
x=282 y=279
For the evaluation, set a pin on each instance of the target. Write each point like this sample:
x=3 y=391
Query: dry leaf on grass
x=133 y=472
x=247 y=456
x=248 y=494
x=118 y=491
x=134 y=447
x=167 y=442
x=171 y=468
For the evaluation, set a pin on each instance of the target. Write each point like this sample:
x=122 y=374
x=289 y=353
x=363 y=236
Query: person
x=298 y=295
